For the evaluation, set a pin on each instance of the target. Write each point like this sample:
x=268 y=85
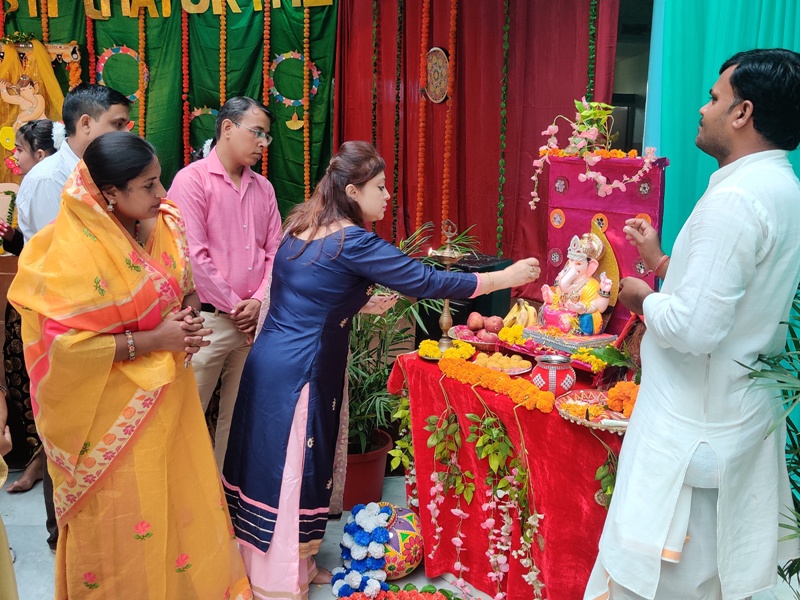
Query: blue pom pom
x=359 y=565
x=345 y=591
x=384 y=586
x=380 y=535
x=346 y=555
x=374 y=564
x=362 y=538
x=387 y=510
x=357 y=509
x=351 y=527
x=363 y=585
x=337 y=577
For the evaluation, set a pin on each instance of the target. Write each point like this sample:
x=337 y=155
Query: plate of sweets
x=512 y=365
x=590 y=409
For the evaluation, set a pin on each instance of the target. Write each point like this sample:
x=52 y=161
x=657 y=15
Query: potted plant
x=375 y=342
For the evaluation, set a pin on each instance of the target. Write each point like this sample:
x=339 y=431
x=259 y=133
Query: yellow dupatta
x=79 y=278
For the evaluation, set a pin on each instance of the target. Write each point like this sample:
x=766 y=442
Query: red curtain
x=547 y=70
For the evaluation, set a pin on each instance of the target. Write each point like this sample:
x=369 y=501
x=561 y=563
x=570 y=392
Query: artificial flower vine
x=423 y=103
x=91 y=56
x=306 y=103
x=45 y=21
x=448 y=121
x=501 y=177
x=223 y=54
x=592 y=62
x=142 y=72
x=398 y=72
x=187 y=145
x=507 y=498
x=590 y=140
x=265 y=75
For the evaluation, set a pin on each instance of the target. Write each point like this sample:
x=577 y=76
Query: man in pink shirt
x=234 y=228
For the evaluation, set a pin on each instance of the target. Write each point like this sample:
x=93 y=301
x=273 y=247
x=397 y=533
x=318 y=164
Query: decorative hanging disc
x=273 y=90
x=120 y=50
x=438 y=75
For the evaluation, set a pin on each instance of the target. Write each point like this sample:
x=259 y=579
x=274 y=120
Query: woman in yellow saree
x=138 y=498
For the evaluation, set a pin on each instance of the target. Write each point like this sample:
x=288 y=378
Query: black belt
x=206 y=307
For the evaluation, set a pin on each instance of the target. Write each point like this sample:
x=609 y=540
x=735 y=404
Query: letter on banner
x=104 y=12
x=194 y=7
x=216 y=6
x=150 y=5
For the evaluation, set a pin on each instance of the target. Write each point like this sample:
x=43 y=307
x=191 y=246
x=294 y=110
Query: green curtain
x=245 y=56
x=690 y=42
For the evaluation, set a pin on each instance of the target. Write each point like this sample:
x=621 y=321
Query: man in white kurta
x=702 y=478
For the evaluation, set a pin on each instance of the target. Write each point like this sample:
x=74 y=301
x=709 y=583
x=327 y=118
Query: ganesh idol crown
x=576 y=302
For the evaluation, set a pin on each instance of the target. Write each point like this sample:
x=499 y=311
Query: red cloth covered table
x=562 y=457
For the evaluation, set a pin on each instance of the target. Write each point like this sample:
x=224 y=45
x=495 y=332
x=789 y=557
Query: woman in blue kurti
x=279 y=467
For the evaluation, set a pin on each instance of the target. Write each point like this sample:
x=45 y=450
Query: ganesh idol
x=576 y=302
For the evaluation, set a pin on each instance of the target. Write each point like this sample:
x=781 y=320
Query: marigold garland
x=74 y=69
x=398 y=72
x=92 y=57
x=501 y=177
x=45 y=22
x=521 y=391
x=448 y=121
x=223 y=54
x=142 y=71
x=187 y=144
x=306 y=103
x=265 y=76
x=622 y=397
x=423 y=81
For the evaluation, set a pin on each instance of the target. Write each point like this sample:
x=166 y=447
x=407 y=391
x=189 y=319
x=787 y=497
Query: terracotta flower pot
x=365 y=473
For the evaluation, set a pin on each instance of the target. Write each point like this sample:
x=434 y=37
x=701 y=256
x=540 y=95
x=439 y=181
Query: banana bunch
x=521 y=313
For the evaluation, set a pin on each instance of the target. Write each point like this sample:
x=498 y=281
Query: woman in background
x=35 y=141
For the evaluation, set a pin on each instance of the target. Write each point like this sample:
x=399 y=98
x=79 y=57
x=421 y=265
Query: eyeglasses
x=260 y=135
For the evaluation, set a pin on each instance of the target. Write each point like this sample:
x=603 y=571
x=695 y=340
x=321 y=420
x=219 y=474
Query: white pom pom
x=337 y=586
x=206 y=148
x=372 y=589
x=376 y=550
x=377 y=574
x=58 y=135
x=348 y=541
x=353 y=579
x=338 y=570
x=358 y=552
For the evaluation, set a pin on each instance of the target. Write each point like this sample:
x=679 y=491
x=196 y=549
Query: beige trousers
x=224 y=357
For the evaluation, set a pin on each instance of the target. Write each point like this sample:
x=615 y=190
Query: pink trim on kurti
x=281 y=572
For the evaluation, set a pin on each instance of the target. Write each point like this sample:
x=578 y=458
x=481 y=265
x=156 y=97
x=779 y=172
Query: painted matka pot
x=553 y=373
x=404 y=550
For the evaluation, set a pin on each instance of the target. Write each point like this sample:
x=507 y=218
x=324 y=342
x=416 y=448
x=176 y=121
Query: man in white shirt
x=89 y=111
x=702 y=480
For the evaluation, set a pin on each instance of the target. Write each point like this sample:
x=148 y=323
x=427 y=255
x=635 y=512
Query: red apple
x=475 y=321
x=493 y=324
x=487 y=336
